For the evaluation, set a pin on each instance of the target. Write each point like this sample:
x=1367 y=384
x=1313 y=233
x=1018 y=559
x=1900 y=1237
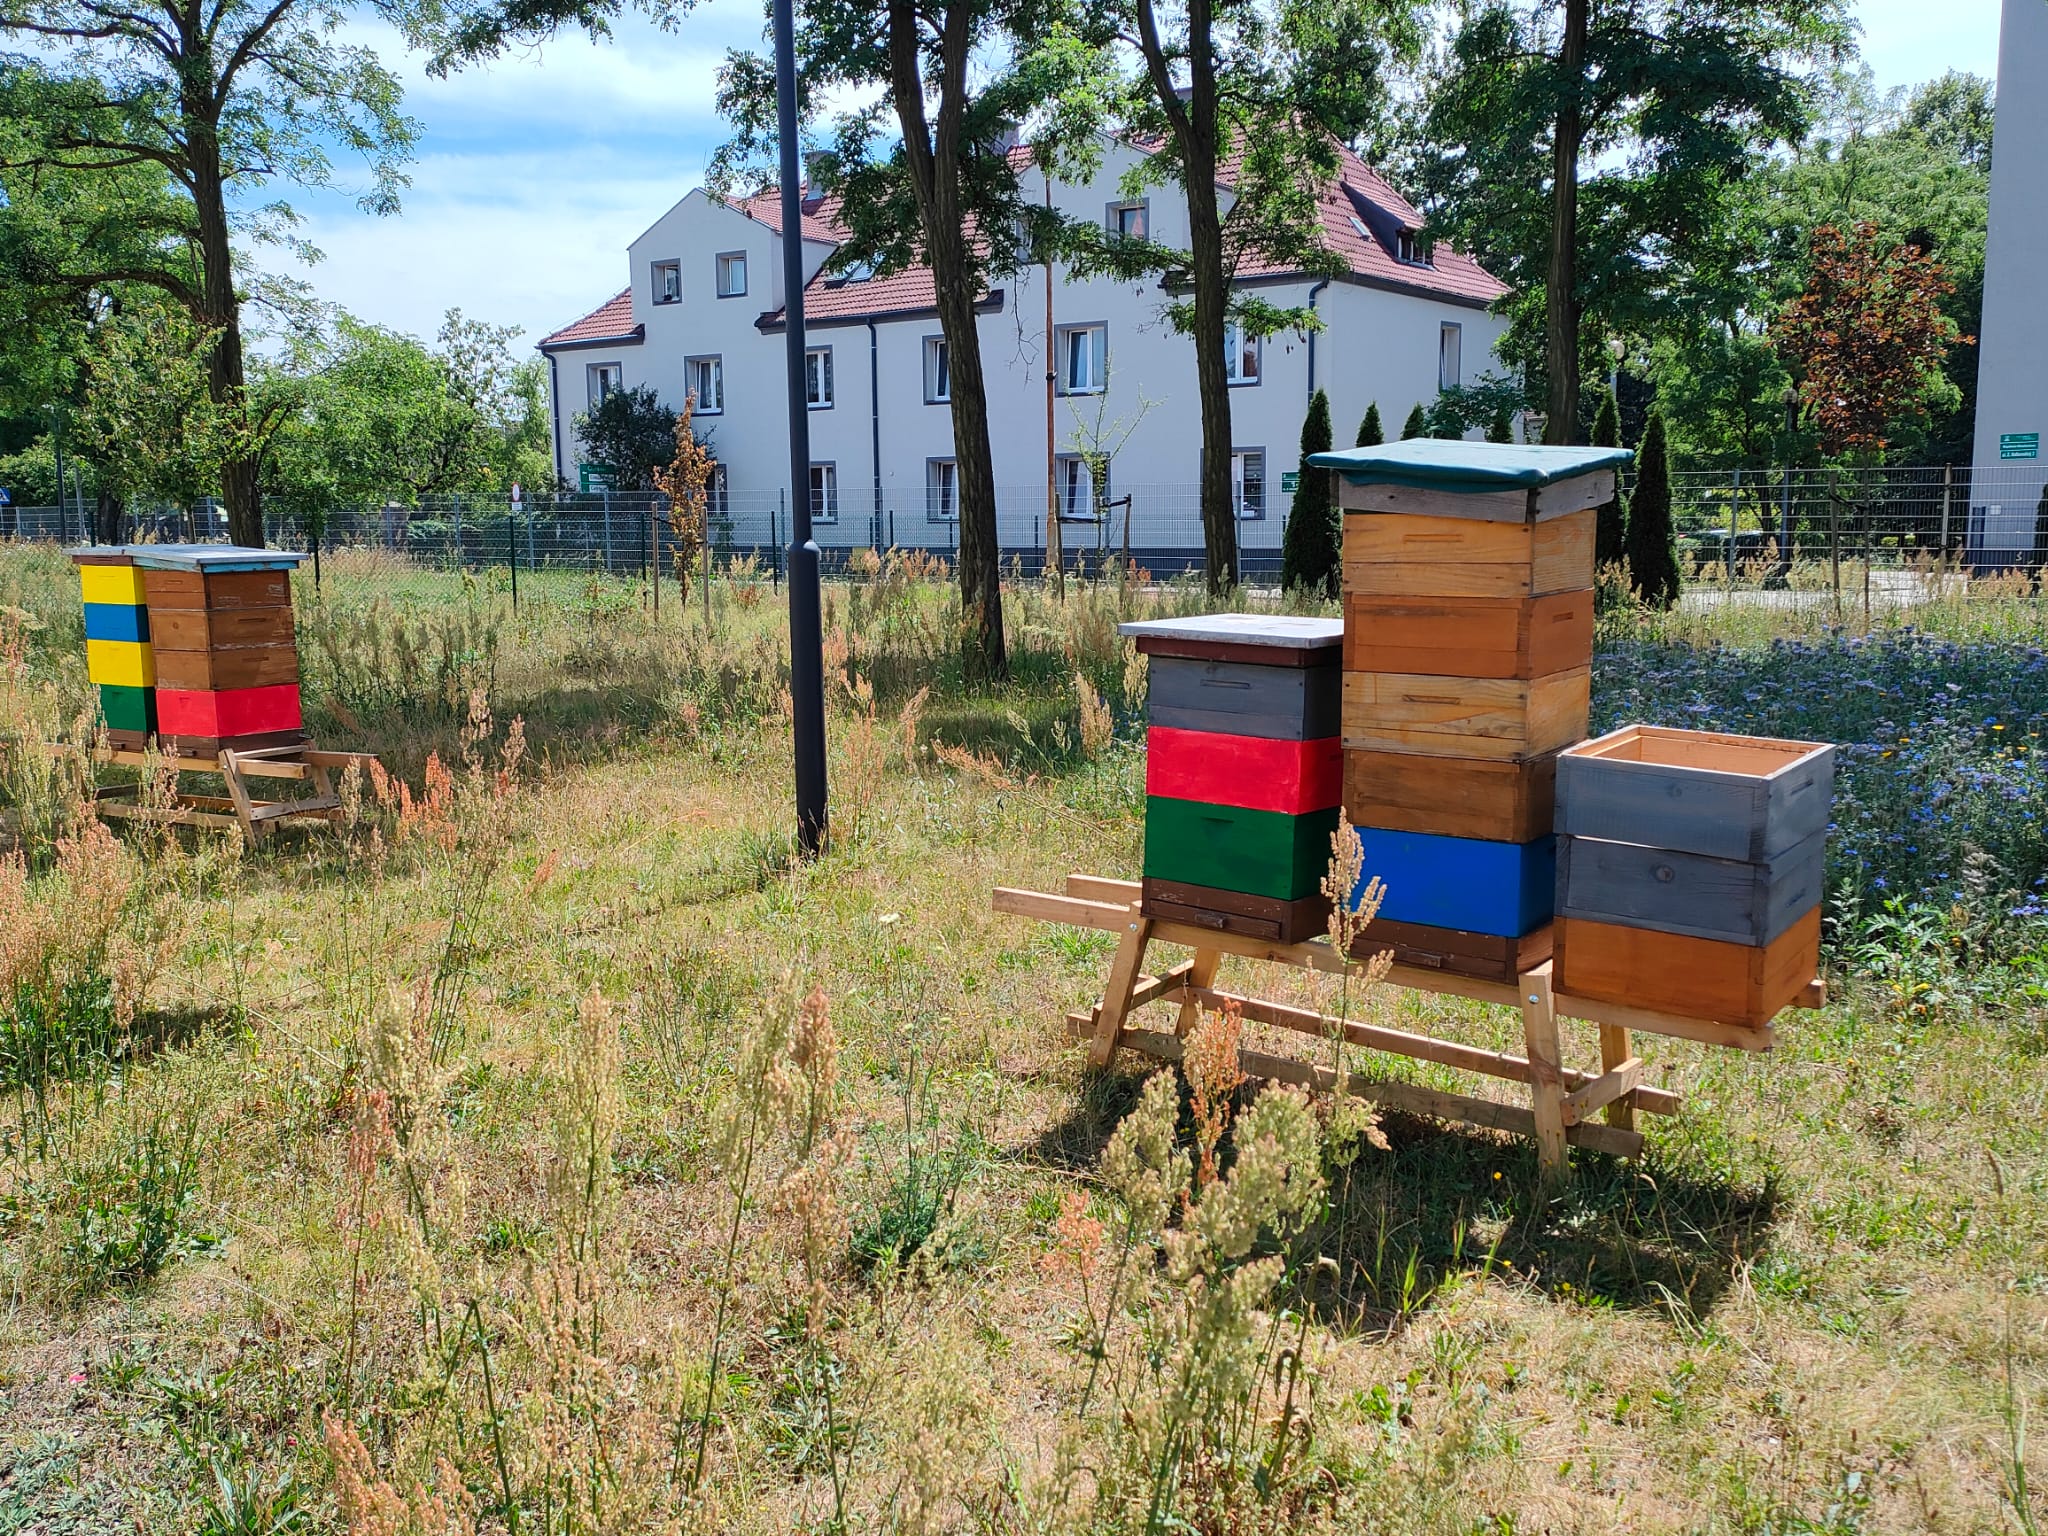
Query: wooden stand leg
x=1116 y=997
x=1201 y=973
x=1614 y=1050
x=238 y=791
x=1546 y=1081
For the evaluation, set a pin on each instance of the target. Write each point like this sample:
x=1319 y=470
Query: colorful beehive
x=1690 y=869
x=1243 y=772
x=226 y=658
x=1468 y=618
x=119 y=658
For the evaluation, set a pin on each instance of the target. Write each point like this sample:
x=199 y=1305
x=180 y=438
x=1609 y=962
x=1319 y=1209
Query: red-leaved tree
x=1868 y=337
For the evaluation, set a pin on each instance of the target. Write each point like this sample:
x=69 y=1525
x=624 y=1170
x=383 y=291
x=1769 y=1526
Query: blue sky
x=534 y=173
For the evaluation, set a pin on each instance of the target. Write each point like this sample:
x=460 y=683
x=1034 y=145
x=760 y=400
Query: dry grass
x=537 y=1091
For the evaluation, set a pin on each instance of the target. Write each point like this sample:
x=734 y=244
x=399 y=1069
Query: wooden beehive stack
x=1690 y=870
x=227 y=661
x=1243 y=772
x=1468 y=643
x=119 y=659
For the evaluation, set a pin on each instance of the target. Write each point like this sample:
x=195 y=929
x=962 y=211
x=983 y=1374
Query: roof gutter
x=1319 y=287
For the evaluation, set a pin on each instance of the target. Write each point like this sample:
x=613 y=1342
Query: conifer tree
x=1370 y=433
x=1610 y=531
x=1417 y=424
x=1309 y=557
x=1652 y=544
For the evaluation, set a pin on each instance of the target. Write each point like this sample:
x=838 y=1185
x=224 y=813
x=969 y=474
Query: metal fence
x=1734 y=527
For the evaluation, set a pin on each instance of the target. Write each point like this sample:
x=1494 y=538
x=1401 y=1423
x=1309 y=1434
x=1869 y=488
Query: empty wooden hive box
x=226 y=656
x=1468 y=646
x=1243 y=771
x=119 y=658
x=1690 y=871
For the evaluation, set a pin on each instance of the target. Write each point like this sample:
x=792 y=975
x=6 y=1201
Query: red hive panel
x=233 y=712
x=1249 y=772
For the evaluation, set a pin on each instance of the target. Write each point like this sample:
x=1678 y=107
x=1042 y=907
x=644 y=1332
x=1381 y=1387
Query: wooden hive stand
x=240 y=805
x=1567 y=1106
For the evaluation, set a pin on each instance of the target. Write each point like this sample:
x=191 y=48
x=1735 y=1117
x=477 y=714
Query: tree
x=1370 y=433
x=1311 y=558
x=1652 y=543
x=1868 y=336
x=1610 y=529
x=1254 y=95
x=1417 y=424
x=1589 y=152
x=683 y=480
x=224 y=96
x=631 y=433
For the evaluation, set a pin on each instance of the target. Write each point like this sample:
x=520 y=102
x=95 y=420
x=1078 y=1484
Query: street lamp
x=806 y=622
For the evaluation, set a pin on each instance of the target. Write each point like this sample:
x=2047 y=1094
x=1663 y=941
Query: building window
x=818 y=378
x=1240 y=354
x=1076 y=487
x=668 y=282
x=1409 y=246
x=704 y=377
x=941 y=490
x=601 y=380
x=824 y=493
x=732 y=275
x=1450 y=342
x=1248 y=481
x=1083 y=354
x=717 y=491
x=938 y=371
x=1129 y=221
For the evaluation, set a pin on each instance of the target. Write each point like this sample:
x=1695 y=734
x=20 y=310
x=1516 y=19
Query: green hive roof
x=1443 y=464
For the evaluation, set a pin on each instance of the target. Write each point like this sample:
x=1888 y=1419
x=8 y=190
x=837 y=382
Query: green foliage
x=1483 y=406
x=1609 y=526
x=148 y=420
x=129 y=1208
x=1311 y=557
x=61 y=1027
x=1417 y=424
x=632 y=432
x=1370 y=433
x=1652 y=542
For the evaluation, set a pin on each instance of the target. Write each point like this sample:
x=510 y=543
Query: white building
x=2012 y=358
x=703 y=312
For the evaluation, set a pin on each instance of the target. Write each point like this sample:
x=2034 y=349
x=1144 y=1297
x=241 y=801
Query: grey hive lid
x=213 y=557
x=1277 y=632
x=1467 y=469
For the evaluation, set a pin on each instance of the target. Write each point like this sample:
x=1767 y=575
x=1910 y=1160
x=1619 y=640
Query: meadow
x=545 y=1149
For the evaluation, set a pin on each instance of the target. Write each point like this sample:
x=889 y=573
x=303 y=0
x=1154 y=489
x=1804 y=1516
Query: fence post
x=653 y=547
x=455 y=534
x=1948 y=476
x=512 y=551
x=1835 y=542
x=606 y=493
x=1734 y=510
x=775 y=541
x=707 y=570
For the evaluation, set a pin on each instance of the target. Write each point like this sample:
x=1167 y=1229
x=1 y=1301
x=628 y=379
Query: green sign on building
x=1290 y=481
x=2019 y=445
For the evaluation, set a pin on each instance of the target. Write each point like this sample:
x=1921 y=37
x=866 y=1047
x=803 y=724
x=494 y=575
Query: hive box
x=1255 y=917
x=1729 y=797
x=1469 y=636
x=1691 y=977
x=1738 y=901
x=196 y=720
x=1500 y=802
x=1244 y=699
x=1255 y=772
x=1224 y=847
x=1460 y=883
x=1504 y=719
x=1485 y=956
x=1397 y=556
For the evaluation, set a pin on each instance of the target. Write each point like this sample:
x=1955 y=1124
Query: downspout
x=1321 y=284
x=875 y=421
x=555 y=413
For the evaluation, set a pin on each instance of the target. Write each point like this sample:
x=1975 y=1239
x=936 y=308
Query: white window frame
x=1097 y=379
x=1410 y=250
x=691 y=365
x=600 y=379
x=938 y=371
x=717 y=490
x=942 y=490
x=722 y=266
x=1234 y=341
x=1113 y=219
x=1238 y=463
x=818 y=399
x=824 y=485
x=672 y=269
x=1450 y=355
x=1082 y=508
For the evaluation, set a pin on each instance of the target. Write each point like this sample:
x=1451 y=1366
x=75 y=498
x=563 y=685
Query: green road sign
x=2019 y=445
x=594 y=477
x=1290 y=481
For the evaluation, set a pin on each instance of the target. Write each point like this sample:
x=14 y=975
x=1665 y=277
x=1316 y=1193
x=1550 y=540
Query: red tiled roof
x=820 y=215
x=1449 y=272
x=610 y=321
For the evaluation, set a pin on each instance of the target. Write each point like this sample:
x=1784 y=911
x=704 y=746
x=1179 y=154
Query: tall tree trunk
x=935 y=172
x=106 y=518
x=1561 y=353
x=221 y=314
x=1193 y=121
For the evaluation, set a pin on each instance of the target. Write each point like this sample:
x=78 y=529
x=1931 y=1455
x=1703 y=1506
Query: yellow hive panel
x=112 y=584
x=122 y=663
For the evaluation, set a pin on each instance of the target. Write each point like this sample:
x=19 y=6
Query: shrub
x=1610 y=529
x=1370 y=433
x=1311 y=558
x=1652 y=546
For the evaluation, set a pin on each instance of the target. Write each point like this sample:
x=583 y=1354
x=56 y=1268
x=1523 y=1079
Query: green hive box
x=1262 y=853
x=128 y=709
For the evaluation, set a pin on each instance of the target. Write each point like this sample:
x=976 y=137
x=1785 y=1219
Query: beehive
x=1468 y=613
x=1243 y=771
x=1690 y=869
x=225 y=654
x=119 y=659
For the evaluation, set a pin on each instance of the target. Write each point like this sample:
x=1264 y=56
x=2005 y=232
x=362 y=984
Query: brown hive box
x=1504 y=719
x=1500 y=802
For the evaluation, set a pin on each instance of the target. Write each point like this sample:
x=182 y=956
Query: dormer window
x=1409 y=247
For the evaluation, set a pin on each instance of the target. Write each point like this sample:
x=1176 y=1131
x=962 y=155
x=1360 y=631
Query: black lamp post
x=806 y=623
